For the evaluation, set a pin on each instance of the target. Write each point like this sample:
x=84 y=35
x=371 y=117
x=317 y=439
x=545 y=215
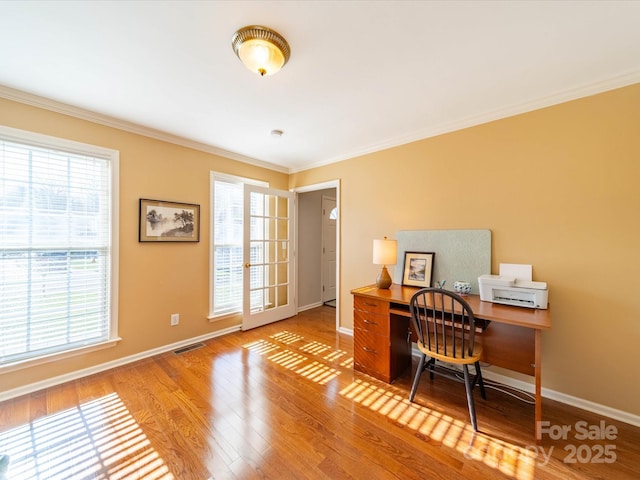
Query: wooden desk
x=512 y=338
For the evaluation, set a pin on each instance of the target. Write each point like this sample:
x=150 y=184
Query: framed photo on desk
x=418 y=269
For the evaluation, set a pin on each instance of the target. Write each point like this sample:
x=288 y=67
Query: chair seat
x=451 y=357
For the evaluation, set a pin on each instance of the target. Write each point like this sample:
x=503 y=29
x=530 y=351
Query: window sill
x=54 y=357
x=224 y=316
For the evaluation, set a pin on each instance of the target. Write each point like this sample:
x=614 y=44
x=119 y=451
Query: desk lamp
x=384 y=253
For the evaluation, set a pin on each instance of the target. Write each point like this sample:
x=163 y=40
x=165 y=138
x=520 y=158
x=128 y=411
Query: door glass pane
x=268 y=276
x=257 y=228
x=256 y=253
x=255 y=301
x=282 y=295
x=256 y=275
x=272 y=253
x=283 y=251
x=270 y=298
x=256 y=204
x=270 y=231
x=270 y=206
x=283 y=271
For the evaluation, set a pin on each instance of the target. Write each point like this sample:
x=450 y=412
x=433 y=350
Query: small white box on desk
x=512 y=290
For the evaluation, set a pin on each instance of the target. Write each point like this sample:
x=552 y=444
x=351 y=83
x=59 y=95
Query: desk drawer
x=371 y=355
x=371 y=322
x=370 y=305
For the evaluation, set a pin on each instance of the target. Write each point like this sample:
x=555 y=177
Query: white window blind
x=55 y=250
x=227 y=195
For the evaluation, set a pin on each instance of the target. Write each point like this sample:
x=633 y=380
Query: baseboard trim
x=600 y=409
x=309 y=307
x=77 y=374
x=577 y=402
x=346 y=331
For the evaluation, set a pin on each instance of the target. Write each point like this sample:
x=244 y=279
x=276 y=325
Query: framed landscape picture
x=418 y=269
x=162 y=221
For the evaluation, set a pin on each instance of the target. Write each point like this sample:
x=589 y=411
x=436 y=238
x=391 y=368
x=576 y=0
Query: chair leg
x=416 y=379
x=432 y=365
x=468 y=388
x=480 y=381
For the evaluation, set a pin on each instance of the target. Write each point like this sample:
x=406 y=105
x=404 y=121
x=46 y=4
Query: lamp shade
x=385 y=252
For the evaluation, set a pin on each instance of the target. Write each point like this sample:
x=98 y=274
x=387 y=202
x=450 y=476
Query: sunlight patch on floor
x=315 y=348
x=98 y=439
x=512 y=460
x=287 y=358
x=287 y=337
x=261 y=347
x=308 y=368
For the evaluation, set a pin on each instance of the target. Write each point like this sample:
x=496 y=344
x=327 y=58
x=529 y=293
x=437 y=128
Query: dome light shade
x=261 y=49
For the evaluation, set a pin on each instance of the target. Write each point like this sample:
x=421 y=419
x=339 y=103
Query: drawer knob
x=370 y=350
x=370 y=322
x=370 y=304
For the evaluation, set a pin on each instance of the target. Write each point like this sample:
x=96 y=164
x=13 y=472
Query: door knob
x=247 y=265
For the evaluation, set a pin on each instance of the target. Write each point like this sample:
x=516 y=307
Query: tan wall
x=558 y=188
x=156 y=279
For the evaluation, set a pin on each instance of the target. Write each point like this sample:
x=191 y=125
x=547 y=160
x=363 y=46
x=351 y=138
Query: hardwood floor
x=283 y=402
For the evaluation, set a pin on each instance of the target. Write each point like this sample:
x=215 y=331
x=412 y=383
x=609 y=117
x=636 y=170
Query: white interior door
x=329 y=221
x=269 y=257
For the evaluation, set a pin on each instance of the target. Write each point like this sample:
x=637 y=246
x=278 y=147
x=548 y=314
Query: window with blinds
x=56 y=249
x=227 y=197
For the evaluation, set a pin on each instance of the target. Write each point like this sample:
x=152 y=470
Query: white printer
x=513 y=287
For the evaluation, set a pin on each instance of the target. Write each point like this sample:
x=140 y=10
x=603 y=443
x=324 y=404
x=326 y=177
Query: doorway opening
x=318 y=246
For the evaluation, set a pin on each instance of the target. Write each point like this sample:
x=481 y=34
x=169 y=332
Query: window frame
x=113 y=157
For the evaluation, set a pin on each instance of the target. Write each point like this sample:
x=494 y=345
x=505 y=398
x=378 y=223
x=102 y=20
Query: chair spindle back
x=443 y=322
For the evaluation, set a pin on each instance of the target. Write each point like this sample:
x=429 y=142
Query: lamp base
x=384 y=279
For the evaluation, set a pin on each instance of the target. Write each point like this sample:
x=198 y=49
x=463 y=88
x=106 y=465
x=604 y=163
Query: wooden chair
x=445 y=326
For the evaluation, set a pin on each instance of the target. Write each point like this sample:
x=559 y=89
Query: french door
x=269 y=257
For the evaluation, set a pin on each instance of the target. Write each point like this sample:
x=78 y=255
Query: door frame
x=322 y=186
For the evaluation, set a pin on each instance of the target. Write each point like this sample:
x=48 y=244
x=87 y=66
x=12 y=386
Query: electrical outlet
x=175 y=319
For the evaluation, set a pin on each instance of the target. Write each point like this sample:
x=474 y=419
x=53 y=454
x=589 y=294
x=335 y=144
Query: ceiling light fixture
x=261 y=49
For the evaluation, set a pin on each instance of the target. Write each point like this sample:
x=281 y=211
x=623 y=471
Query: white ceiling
x=363 y=75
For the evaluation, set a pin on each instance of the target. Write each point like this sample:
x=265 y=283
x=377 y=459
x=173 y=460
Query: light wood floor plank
x=283 y=402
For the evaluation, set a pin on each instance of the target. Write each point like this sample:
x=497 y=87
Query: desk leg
x=538 y=368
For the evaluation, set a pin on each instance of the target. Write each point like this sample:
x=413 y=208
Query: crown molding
x=581 y=91
x=65 y=109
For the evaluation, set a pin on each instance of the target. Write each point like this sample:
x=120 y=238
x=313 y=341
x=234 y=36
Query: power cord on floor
x=516 y=393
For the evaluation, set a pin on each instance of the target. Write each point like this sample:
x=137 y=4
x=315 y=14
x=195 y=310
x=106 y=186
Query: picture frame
x=418 y=269
x=164 y=221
